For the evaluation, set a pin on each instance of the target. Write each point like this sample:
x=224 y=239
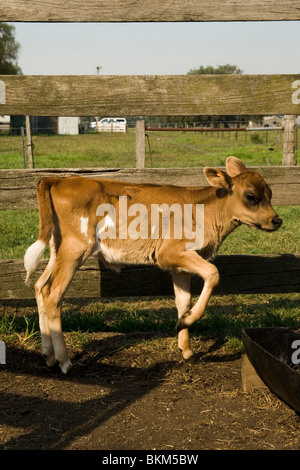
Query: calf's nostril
x=277 y=221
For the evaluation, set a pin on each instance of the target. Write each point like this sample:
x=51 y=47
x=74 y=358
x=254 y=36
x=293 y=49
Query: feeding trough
x=274 y=354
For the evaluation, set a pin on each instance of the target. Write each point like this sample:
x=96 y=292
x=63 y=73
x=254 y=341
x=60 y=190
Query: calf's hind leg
x=65 y=267
x=47 y=345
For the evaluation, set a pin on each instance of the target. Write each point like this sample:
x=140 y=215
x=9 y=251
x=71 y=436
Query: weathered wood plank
x=18 y=187
x=86 y=282
x=150 y=95
x=240 y=274
x=138 y=10
x=250 y=378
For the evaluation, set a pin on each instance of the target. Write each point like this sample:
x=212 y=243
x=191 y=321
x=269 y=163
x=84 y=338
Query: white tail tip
x=32 y=257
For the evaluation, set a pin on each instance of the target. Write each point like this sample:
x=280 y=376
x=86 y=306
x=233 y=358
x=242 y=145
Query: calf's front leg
x=182 y=290
x=185 y=264
x=210 y=274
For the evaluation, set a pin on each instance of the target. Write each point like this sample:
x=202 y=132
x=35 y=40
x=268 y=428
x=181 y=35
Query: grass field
x=163 y=150
x=226 y=315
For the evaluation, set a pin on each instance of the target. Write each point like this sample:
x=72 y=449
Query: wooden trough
x=270 y=351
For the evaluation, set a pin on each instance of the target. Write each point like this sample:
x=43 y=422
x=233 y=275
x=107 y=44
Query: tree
x=220 y=69
x=227 y=69
x=9 y=50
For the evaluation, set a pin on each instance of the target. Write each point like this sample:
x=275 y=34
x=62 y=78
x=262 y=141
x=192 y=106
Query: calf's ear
x=217 y=178
x=234 y=166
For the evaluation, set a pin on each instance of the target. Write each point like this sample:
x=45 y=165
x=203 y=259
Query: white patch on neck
x=84 y=225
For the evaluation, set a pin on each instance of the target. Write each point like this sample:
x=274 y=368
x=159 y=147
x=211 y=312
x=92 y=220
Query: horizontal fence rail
x=18 y=187
x=212 y=129
x=196 y=129
x=239 y=274
x=157 y=95
x=141 y=11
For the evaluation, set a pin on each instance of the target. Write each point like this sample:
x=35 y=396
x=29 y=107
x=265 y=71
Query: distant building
x=4 y=123
x=54 y=125
x=68 y=125
x=272 y=121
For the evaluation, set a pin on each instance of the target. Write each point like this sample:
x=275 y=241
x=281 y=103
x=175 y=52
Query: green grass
x=224 y=319
x=84 y=150
x=249 y=241
x=188 y=150
x=163 y=149
x=226 y=315
x=18 y=229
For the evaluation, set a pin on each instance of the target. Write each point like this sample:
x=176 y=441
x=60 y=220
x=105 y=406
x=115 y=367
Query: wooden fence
x=159 y=95
x=141 y=11
x=151 y=95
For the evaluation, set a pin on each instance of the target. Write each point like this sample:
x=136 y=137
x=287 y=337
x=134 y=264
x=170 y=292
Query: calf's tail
x=34 y=253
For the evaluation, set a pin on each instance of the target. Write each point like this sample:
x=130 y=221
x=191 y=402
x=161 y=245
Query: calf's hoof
x=66 y=366
x=187 y=354
x=50 y=360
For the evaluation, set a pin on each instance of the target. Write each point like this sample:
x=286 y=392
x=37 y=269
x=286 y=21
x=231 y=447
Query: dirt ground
x=128 y=393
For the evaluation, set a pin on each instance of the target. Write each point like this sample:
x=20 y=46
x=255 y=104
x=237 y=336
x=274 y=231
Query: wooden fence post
x=289 y=143
x=140 y=144
x=23 y=146
x=29 y=143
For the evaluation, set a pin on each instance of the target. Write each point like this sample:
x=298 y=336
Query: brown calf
x=81 y=217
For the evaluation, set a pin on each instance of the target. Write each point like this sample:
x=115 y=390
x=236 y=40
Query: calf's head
x=249 y=197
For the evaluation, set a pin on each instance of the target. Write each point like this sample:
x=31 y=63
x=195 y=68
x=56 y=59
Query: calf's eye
x=252 y=199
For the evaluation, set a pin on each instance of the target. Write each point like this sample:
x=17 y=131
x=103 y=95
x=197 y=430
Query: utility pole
x=98 y=68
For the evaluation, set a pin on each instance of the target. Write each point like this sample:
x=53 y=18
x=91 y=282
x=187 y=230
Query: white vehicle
x=110 y=125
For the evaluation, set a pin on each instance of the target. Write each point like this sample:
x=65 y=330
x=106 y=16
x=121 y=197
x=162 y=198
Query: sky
x=157 y=48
